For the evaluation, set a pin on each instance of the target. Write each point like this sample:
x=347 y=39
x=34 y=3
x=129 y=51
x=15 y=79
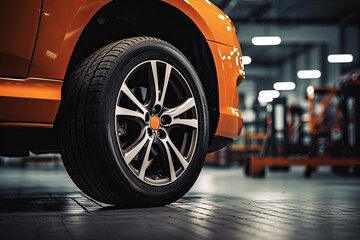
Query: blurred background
x=292 y=174
x=300 y=98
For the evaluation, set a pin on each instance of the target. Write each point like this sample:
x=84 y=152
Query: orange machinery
x=322 y=123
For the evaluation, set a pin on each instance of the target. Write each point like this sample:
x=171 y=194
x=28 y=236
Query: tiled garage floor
x=42 y=203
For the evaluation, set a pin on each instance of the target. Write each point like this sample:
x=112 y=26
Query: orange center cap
x=155 y=122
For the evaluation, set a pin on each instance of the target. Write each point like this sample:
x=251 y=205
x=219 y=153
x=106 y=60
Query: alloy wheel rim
x=156 y=122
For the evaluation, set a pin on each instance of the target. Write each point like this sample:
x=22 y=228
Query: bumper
x=229 y=72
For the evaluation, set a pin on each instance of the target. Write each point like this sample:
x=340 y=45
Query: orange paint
x=211 y=21
x=31 y=100
x=61 y=25
x=229 y=69
x=19 y=22
x=29 y=125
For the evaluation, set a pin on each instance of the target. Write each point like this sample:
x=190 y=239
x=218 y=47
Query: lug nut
x=149 y=131
x=147 y=117
x=161 y=134
x=165 y=119
x=156 y=109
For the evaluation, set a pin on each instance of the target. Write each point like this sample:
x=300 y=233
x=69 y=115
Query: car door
x=19 y=20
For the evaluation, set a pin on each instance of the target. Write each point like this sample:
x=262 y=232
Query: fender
x=60 y=28
x=62 y=24
x=214 y=24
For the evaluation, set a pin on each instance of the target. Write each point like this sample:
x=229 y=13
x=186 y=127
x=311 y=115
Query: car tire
x=134 y=124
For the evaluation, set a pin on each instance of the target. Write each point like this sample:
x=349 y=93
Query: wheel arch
x=123 y=19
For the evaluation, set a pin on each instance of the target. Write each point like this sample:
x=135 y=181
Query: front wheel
x=134 y=123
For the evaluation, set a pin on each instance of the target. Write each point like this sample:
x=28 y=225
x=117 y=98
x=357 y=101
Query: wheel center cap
x=154 y=122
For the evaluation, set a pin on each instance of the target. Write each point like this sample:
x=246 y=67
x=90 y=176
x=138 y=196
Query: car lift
x=276 y=148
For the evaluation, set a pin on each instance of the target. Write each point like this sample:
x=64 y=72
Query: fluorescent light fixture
x=246 y=60
x=340 y=58
x=266 y=41
x=269 y=94
x=265 y=99
x=283 y=86
x=308 y=74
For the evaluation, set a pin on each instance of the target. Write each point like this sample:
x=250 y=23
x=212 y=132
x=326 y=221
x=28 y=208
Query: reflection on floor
x=39 y=201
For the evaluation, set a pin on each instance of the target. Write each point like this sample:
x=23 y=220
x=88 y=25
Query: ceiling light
x=283 y=86
x=308 y=74
x=246 y=60
x=340 y=58
x=265 y=41
x=265 y=99
x=269 y=94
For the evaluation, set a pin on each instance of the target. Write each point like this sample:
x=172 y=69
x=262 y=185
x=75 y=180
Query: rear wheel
x=134 y=123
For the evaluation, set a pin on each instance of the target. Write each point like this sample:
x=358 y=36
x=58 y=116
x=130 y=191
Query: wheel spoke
x=166 y=83
x=159 y=96
x=170 y=162
x=135 y=148
x=182 y=108
x=120 y=111
x=156 y=82
x=146 y=162
x=181 y=158
x=125 y=89
x=185 y=122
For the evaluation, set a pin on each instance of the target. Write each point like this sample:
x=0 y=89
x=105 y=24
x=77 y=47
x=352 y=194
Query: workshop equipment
x=334 y=128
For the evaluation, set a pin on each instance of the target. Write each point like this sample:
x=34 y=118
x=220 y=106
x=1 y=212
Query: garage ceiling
x=283 y=15
x=296 y=11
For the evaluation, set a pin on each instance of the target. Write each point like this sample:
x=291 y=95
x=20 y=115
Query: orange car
x=133 y=93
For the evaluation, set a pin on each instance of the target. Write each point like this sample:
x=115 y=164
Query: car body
x=44 y=40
